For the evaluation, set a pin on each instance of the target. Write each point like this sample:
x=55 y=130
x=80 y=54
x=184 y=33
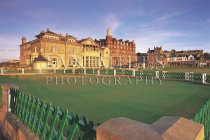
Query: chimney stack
x=23 y=40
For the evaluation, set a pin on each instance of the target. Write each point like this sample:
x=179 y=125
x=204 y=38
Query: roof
x=47 y=32
x=88 y=41
x=7 y=64
x=40 y=58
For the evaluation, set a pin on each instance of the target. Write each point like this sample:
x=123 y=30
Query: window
x=87 y=61
x=54 y=61
x=91 y=64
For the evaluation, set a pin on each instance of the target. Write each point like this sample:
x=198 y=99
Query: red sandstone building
x=122 y=53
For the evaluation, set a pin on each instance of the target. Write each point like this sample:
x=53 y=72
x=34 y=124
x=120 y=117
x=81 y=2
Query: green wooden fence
x=49 y=121
x=203 y=117
x=197 y=76
x=175 y=75
x=208 y=79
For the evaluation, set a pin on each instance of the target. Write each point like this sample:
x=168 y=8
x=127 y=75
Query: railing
x=175 y=75
x=49 y=121
x=208 y=79
x=197 y=76
x=203 y=117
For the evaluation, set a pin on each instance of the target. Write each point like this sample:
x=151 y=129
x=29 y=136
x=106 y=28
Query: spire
x=109 y=32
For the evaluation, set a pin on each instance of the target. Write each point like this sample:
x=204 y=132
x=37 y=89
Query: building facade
x=63 y=52
x=156 y=56
x=142 y=58
x=174 y=58
x=186 y=58
x=122 y=53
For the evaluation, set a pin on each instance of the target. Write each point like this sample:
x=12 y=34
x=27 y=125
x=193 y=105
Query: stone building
x=122 y=53
x=175 y=58
x=93 y=55
x=155 y=56
x=40 y=63
x=63 y=51
x=142 y=58
x=186 y=58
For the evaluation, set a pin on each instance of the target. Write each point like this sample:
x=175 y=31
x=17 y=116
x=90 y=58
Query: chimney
x=23 y=40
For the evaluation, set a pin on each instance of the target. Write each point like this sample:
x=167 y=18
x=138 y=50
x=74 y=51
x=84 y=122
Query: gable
x=88 y=41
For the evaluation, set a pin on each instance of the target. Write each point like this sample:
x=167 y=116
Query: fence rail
x=199 y=77
x=49 y=121
x=203 y=117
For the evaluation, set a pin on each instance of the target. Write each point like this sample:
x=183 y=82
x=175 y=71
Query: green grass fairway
x=141 y=102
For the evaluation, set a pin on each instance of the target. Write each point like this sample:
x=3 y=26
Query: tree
x=206 y=56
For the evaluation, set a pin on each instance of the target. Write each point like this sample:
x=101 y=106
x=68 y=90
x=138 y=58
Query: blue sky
x=174 y=24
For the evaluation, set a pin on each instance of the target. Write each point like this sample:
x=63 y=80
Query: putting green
x=100 y=102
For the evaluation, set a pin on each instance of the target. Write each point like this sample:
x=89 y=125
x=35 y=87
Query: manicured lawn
x=141 y=102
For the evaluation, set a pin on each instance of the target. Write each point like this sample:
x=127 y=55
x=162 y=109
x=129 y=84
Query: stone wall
x=166 y=128
x=12 y=128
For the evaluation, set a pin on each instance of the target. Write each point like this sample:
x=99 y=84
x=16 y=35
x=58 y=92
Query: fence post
x=6 y=98
x=134 y=73
x=157 y=74
x=2 y=71
x=191 y=76
x=106 y=72
x=64 y=71
x=54 y=71
x=84 y=71
x=98 y=72
x=204 y=78
x=163 y=74
x=186 y=75
x=22 y=71
x=73 y=71
x=114 y=72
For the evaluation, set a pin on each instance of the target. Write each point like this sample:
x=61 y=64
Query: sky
x=172 y=24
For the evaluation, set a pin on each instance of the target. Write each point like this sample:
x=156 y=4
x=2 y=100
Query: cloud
x=171 y=15
x=9 y=46
x=156 y=38
x=11 y=49
x=8 y=50
x=111 y=21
